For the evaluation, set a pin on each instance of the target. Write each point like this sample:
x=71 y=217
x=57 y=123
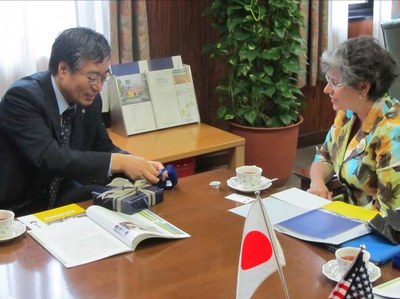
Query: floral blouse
x=368 y=164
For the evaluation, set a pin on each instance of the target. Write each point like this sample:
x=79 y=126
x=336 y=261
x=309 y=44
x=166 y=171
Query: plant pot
x=272 y=149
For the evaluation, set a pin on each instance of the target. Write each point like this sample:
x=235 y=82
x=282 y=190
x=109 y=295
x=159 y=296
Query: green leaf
x=272 y=54
x=280 y=32
x=221 y=112
x=240 y=35
x=232 y=23
x=291 y=66
x=269 y=70
x=286 y=119
x=270 y=91
x=251 y=116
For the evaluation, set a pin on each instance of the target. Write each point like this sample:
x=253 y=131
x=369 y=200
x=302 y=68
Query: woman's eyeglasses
x=332 y=84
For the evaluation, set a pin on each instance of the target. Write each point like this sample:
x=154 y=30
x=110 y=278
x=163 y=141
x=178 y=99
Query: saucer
x=18 y=229
x=264 y=184
x=331 y=271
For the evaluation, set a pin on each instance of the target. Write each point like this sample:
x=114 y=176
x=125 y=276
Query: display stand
x=151 y=95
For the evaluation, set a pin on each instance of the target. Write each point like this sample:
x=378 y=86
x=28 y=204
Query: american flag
x=355 y=284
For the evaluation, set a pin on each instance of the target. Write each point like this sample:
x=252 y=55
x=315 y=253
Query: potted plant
x=261 y=43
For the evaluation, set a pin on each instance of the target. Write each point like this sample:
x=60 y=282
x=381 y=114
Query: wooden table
x=183 y=142
x=202 y=266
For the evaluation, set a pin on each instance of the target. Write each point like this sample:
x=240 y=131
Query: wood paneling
x=360 y=27
x=318 y=115
x=178 y=28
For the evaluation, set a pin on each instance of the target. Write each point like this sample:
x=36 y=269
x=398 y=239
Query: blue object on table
x=396 y=261
x=380 y=248
x=172 y=179
x=135 y=199
x=318 y=224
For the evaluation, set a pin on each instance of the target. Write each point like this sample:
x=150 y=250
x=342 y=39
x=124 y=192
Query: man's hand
x=135 y=167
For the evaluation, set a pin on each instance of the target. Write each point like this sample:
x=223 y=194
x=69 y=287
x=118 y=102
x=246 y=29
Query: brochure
x=81 y=238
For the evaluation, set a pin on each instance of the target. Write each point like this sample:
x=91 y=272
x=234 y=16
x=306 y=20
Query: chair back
x=391 y=37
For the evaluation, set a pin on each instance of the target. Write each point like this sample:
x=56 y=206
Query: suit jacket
x=30 y=151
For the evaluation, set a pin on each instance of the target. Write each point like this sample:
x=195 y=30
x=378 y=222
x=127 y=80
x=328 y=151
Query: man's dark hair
x=76 y=46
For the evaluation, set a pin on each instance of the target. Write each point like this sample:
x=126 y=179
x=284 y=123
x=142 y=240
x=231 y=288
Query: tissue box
x=129 y=199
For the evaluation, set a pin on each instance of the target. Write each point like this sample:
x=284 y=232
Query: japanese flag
x=257 y=256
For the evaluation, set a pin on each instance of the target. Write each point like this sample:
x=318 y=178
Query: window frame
x=360 y=11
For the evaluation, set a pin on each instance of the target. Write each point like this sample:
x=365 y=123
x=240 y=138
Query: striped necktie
x=67 y=117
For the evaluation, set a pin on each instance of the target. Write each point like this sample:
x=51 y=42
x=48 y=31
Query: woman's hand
x=320 y=189
x=319 y=174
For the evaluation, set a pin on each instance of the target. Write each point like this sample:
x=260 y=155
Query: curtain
x=95 y=15
x=395 y=9
x=338 y=20
x=28 y=30
x=382 y=12
x=129 y=31
x=129 y=36
x=315 y=35
x=326 y=25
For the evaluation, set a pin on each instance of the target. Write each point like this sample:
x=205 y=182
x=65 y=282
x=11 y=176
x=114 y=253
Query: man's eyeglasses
x=94 y=78
x=331 y=84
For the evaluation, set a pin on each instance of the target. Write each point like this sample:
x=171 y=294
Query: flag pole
x=267 y=224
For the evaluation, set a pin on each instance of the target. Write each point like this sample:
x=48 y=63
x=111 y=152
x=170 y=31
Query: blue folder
x=381 y=250
x=319 y=224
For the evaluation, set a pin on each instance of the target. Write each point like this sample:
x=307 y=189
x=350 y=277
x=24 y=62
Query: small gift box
x=123 y=196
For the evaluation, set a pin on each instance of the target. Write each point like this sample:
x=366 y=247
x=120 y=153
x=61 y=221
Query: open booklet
x=75 y=237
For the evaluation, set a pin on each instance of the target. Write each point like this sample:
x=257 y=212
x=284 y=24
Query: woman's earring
x=360 y=96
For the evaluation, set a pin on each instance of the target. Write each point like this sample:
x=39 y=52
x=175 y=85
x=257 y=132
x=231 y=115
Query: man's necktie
x=65 y=136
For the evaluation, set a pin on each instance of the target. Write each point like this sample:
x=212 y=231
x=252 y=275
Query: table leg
x=236 y=157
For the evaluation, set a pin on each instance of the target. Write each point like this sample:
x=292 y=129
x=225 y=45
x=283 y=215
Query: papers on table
x=294 y=206
x=280 y=210
x=286 y=204
x=301 y=198
x=240 y=198
x=389 y=289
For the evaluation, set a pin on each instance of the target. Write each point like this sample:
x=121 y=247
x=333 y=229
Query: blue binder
x=381 y=250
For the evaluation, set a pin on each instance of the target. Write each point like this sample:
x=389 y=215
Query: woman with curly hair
x=363 y=145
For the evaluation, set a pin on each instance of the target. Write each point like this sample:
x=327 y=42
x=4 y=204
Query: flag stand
x=273 y=243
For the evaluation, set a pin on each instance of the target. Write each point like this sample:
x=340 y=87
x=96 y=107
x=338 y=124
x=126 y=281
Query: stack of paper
x=302 y=215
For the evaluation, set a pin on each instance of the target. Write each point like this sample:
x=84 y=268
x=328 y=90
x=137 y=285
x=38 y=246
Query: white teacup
x=345 y=257
x=6 y=224
x=249 y=177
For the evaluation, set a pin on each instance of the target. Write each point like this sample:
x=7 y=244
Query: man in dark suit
x=32 y=152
